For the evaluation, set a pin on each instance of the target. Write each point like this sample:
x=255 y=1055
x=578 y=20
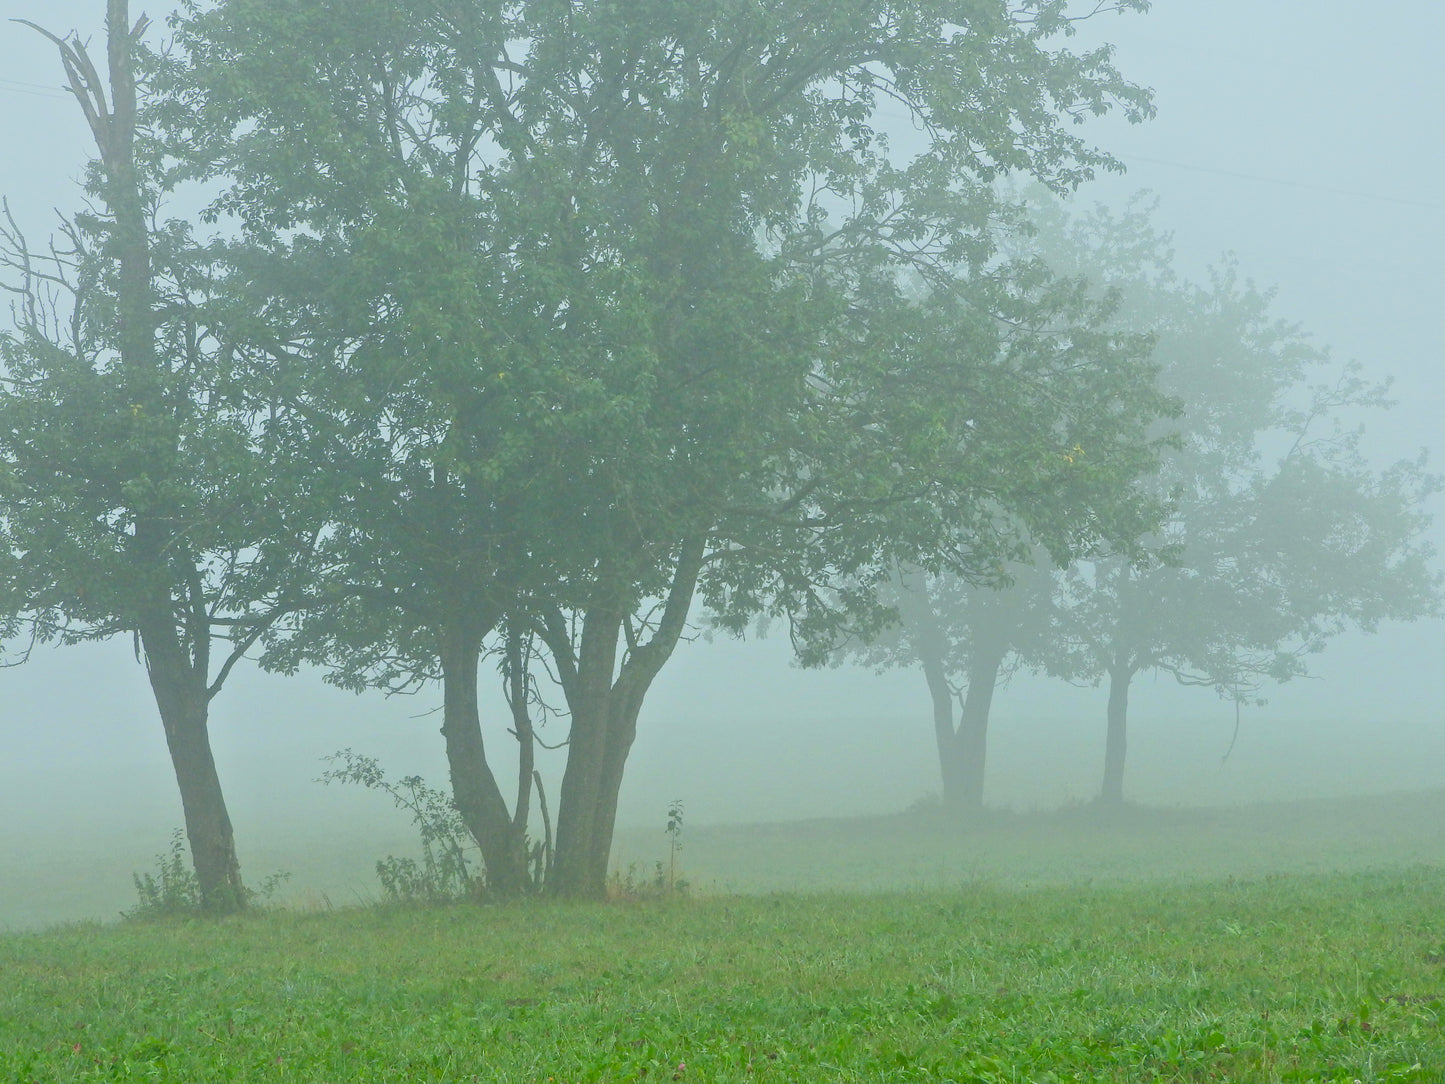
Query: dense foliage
x=590 y=311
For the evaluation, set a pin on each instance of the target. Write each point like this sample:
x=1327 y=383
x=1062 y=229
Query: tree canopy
x=594 y=307
x=529 y=323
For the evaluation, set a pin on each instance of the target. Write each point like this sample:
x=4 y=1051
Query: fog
x=1298 y=135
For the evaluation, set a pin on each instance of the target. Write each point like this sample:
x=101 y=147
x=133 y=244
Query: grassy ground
x=80 y=874
x=924 y=848
x=1299 y=942
x=1300 y=978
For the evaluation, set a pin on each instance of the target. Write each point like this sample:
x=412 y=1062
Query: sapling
x=674 y=841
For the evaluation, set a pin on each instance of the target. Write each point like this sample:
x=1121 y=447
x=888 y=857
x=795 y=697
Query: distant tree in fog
x=967 y=638
x=1282 y=533
x=140 y=485
x=967 y=627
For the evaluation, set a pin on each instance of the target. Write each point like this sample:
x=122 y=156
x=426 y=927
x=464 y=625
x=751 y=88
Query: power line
x=1256 y=178
x=893 y=114
x=37 y=90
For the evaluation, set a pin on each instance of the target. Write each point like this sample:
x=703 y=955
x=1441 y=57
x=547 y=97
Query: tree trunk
x=183 y=702
x=931 y=647
x=177 y=664
x=595 y=777
x=177 y=656
x=962 y=749
x=970 y=744
x=1117 y=742
x=604 y=725
x=500 y=836
x=624 y=708
x=590 y=704
x=945 y=735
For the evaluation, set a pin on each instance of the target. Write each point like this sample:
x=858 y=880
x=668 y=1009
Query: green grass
x=1290 y=942
x=69 y=876
x=1298 y=978
x=924 y=848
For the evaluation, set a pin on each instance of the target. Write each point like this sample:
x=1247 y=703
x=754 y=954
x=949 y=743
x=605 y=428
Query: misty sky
x=1302 y=135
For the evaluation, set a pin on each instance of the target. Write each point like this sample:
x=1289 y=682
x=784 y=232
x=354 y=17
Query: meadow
x=925 y=848
x=1292 y=978
x=1158 y=965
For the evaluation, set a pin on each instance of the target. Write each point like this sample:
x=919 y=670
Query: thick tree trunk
x=590 y=703
x=1116 y=744
x=970 y=744
x=604 y=726
x=183 y=702
x=945 y=734
x=596 y=779
x=625 y=706
x=500 y=836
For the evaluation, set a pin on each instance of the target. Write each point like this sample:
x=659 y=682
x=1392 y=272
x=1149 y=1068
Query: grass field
x=1333 y=977
x=1068 y=947
x=54 y=875
x=925 y=848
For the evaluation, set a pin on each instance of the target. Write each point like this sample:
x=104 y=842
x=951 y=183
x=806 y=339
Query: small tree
x=139 y=482
x=967 y=638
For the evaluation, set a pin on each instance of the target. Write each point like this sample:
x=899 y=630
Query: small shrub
x=172 y=889
x=674 y=845
x=404 y=880
x=444 y=872
x=636 y=884
x=267 y=889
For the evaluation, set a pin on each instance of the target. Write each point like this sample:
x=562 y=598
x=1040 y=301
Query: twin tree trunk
x=604 y=697
x=604 y=726
x=963 y=749
x=604 y=723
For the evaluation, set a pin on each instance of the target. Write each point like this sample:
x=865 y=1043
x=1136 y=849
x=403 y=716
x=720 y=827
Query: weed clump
x=444 y=873
x=173 y=890
x=637 y=884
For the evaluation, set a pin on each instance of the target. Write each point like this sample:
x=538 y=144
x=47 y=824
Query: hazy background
x=1301 y=135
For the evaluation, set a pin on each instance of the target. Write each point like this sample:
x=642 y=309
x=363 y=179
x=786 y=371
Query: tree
x=596 y=307
x=138 y=487
x=966 y=637
x=960 y=620
x=962 y=625
x=1282 y=533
